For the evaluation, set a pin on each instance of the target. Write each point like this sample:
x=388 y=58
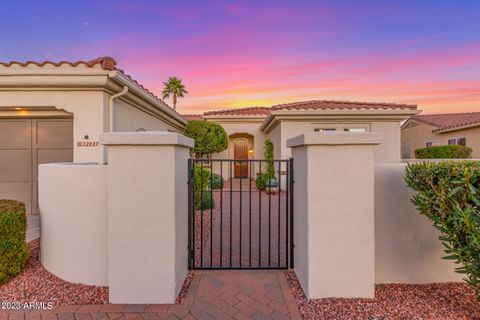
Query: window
x=431 y=143
x=354 y=129
x=460 y=141
x=324 y=129
x=405 y=150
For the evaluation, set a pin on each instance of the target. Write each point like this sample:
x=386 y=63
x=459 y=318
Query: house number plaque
x=87 y=143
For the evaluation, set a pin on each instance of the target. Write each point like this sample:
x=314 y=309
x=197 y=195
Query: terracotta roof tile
x=106 y=63
x=330 y=104
x=250 y=111
x=448 y=120
x=192 y=116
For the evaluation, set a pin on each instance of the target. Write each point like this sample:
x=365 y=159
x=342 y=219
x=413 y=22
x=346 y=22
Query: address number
x=87 y=143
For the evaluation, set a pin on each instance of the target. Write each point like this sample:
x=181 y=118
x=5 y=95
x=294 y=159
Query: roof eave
x=467 y=126
x=375 y=114
x=137 y=89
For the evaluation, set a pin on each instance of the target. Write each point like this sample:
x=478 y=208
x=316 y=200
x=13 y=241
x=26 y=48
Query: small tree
x=268 y=176
x=268 y=154
x=209 y=137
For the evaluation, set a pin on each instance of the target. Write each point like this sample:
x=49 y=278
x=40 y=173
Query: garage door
x=26 y=143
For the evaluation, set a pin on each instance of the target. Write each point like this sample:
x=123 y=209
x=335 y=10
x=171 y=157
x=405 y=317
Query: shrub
x=217 y=181
x=206 y=202
x=261 y=181
x=444 y=152
x=264 y=180
x=13 y=248
x=209 y=137
x=202 y=186
x=448 y=193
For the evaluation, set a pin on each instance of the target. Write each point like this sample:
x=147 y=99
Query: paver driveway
x=226 y=295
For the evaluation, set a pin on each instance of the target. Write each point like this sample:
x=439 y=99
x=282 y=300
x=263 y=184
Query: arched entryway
x=241 y=149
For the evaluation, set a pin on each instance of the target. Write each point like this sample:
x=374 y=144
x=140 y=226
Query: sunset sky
x=259 y=53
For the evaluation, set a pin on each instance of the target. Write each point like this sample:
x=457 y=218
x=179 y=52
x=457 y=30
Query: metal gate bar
x=224 y=235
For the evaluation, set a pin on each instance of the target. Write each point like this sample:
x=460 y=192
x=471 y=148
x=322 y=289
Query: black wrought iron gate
x=240 y=214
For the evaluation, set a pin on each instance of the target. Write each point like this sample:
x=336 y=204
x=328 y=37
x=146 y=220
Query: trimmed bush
x=206 y=202
x=264 y=180
x=217 y=181
x=13 y=247
x=209 y=137
x=448 y=193
x=444 y=152
x=261 y=181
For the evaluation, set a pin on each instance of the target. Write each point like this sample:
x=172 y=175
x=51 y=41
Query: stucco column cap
x=149 y=138
x=335 y=138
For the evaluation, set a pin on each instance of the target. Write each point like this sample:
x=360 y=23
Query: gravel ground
x=35 y=284
x=185 y=286
x=455 y=301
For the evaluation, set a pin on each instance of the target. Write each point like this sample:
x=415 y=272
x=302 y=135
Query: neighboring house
x=441 y=129
x=248 y=128
x=55 y=112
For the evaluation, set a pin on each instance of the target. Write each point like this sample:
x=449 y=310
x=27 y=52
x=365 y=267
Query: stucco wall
x=276 y=137
x=73 y=219
x=387 y=151
x=334 y=240
x=128 y=118
x=407 y=249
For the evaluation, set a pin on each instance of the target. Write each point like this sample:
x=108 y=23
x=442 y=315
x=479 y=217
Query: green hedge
x=448 y=193
x=444 y=152
x=13 y=247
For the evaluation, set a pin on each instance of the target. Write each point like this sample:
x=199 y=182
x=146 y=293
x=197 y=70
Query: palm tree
x=173 y=86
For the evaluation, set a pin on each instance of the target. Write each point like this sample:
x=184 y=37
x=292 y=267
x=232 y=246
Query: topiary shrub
x=13 y=247
x=209 y=137
x=448 y=193
x=444 y=152
x=217 y=181
x=268 y=154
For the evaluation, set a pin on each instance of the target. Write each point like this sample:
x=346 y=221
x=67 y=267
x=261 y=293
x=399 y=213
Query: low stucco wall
x=73 y=219
x=407 y=248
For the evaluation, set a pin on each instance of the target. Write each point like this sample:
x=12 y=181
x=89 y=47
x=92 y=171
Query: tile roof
x=448 y=120
x=248 y=111
x=331 y=104
x=106 y=63
x=192 y=116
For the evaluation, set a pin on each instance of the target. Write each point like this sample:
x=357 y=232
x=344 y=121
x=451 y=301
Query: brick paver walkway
x=249 y=228
x=212 y=295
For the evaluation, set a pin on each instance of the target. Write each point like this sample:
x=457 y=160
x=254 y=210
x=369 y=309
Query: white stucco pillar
x=334 y=213
x=147 y=215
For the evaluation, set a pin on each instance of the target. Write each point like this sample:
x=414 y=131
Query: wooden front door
x=240 y=152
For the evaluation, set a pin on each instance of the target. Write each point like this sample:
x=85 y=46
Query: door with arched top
x=240 y=152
